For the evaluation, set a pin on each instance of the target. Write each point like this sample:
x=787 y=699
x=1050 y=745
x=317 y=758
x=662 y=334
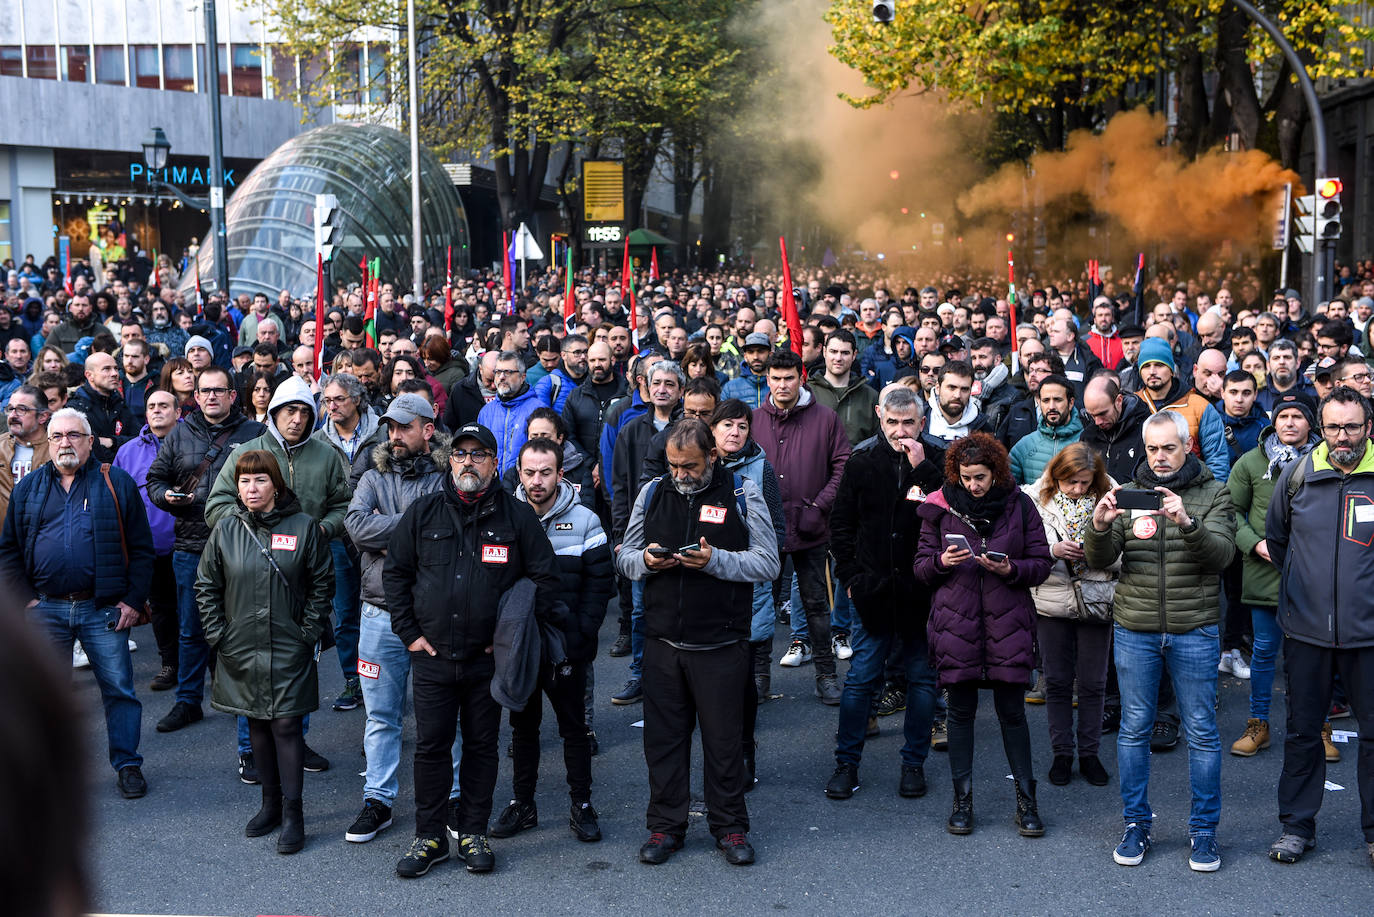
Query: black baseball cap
x=478 y=432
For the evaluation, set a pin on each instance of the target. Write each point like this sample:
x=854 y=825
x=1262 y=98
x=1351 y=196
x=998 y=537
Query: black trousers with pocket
x=447 y=693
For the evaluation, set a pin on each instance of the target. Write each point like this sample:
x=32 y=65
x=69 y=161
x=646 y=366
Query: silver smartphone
x=958 y=541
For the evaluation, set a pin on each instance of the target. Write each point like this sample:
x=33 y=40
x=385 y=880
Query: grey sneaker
x=828 y=690
x=1289 y=848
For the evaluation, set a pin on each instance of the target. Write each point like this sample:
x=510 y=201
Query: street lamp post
x=156 y=149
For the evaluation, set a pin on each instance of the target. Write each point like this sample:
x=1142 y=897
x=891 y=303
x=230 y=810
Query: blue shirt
x=64 y=551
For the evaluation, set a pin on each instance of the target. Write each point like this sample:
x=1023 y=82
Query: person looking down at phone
x=982 y=548
x=1166 y=612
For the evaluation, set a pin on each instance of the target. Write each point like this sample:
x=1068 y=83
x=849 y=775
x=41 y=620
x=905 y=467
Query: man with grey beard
x=453 y=556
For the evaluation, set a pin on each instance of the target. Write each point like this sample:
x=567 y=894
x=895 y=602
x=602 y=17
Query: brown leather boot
x=1255 y=737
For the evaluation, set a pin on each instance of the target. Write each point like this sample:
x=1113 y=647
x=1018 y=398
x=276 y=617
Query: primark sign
x=181 y=176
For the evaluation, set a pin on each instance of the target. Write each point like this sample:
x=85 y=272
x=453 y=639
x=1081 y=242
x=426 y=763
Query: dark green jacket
x=265 y=636
x=1169 y=577
x=1251 y=492
x=855 y=403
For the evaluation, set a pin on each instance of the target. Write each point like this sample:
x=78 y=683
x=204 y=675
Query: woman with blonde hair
x=1073 y=611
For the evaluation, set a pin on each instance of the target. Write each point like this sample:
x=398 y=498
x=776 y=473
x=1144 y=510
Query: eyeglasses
x=67 y=437
x=477 y=455
x=20 y=409
x=1351 y=430
x=506 y=372
x=341 y=399
x=1358 y=377
x=213 y=391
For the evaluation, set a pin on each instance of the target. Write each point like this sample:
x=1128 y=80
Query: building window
x=248 y=71
x=109 y=65
x=11 y=60
x=143 y=65
x=349 y=59
x=284 y=82
x=178 y=67
x=6 y=240
x=42 y=62
x=378 y=77
x=77 y=62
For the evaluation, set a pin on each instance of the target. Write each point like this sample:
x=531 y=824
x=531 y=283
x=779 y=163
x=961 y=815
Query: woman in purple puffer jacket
x=982 y=615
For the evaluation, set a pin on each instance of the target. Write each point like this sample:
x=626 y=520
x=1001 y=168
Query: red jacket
x=1106 y=347
x=808 y=448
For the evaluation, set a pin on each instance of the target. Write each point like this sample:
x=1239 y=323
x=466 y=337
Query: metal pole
x=218 y=230
x=1322 y=254
x=416 y=256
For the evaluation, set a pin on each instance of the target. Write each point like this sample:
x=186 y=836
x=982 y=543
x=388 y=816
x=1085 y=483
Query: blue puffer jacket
x=544 y=388
x=115 y=581
x=880 y=367
x=1032 y=453
x=1230 y=437
x=747 y=387
x=506 y=418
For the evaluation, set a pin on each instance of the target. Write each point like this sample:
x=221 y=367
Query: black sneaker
x=475 y=851
x=1111 y=719
x=513 y=819
x=424 y=852
x=1164 y=736
x=843 y=782
x=621 y=646
x=939 y=736
x=913 y=784
x=375 y=817
x=248 y=769
x=165 y=679
x=582 y=821
x=737 y=849
x=893 y=701
x=315 y=762
x=180 y=716
x=131 y=783
x=658 y=848
x=351 y=696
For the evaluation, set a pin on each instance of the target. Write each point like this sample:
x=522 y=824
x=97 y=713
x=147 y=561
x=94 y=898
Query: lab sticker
x=1145 y=527
x=915 y=494
x=495 y=554
x=1364 y=512
x=283 y=542
x=714 y=514
x=369 y=669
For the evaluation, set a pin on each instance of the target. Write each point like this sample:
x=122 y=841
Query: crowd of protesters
x=1082 y=496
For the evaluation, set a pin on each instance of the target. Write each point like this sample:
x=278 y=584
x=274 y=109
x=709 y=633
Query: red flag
x=627 y=290
x=319 y=317
x=369 y=315
x=448 y=291
x=505 y=263
x=200 y=303
x=67 y=280
x=653 y=263
x=1011 y=309
x=569 y=298
x=789 y=307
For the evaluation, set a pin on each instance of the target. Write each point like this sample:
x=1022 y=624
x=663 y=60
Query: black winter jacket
x=464 y=403
x=182 y=450
x=585 y=410
x=1122 y=446
x=632 y=447
x=109 y=416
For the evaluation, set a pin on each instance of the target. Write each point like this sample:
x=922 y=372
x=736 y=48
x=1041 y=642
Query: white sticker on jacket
x=715 y=514
x=283 y=542
x=495 y=554
x=1364 y=512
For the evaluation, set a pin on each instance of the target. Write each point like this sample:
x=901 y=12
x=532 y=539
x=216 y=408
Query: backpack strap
x=1295 y=482
x=740 y=501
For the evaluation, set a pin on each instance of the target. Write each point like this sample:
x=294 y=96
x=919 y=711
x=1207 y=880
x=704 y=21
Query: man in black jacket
x=469 y=395
x=179 y=482
x=452 y=557
x=1113 y=421
x=874 y=530
x=585 y=408
x=99 y=399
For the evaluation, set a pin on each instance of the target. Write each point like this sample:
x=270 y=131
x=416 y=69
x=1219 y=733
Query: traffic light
x=328 y=225
x=884 y=10
x=1328 y=211
x=1305 y=221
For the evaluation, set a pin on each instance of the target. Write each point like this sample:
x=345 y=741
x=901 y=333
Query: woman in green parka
x=264 y=588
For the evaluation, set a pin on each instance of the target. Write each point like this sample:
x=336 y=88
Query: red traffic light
x=1328 y=188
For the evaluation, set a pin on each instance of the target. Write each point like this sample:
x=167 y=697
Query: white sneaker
x=79 y=660
x=133 y=647
x=839 y=644
x=1239 y=667
x=1224 y=664
x=798 y=653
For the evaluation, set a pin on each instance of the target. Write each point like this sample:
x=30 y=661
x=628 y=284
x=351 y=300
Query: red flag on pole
x=627 y=291
x=789 y=306
x=448 y=290
x=505 y=263
x=569 y=298
x=319 y=316
x=1011 y=309
x=653 y=263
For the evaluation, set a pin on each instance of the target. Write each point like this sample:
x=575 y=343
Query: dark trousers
x=162 y=600
x=682 y=690
x=810 y=565
x=1238 y=626
x=1309 y=672
x=1009 y=701
x=445 y=694
x=565 y=693
x=627 y=605
x=1073 y=648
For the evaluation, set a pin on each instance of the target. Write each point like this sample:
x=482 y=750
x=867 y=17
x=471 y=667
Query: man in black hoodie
x=1115 y=420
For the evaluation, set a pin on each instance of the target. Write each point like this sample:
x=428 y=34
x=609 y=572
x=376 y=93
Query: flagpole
x=1011 y=309
x=416 y=255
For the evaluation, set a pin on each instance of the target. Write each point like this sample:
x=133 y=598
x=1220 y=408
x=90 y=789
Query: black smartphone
x=689 y=549
x=995 y=556
x=660 y=552
x=1138 y=499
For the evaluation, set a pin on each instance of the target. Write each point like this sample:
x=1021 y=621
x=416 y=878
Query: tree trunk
x=715 y=213
x=685 y=178
x=1237 y=85
x=1192 y=106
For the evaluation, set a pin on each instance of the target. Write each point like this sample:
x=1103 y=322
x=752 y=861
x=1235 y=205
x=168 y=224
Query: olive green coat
x=265 y=639
x=855 y=403
x=1170 y=579
x=1250 y=495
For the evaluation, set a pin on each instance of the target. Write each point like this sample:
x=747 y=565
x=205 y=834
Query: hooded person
x=880 y=367
x=952 y=411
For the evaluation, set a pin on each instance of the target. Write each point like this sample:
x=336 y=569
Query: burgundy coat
x=808 y=450
x=982 y=626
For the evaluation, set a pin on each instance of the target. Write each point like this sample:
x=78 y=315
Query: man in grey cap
x=751 y=385
x=199 y=352
x=403 y=467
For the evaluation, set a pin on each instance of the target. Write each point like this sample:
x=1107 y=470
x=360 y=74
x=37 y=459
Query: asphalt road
x=181 y=849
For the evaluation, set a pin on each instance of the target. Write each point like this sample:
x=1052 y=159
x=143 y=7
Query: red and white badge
x=915 y=494
x=715 y=514
x=369 y=669
x=495 y=554
x=1145 y=527
x=283 y=542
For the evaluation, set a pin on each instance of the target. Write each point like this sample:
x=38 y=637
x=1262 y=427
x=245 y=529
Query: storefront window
x=248 y=71
x=76 y=60
x=178 y=67
x=143 y=65
x=42 y=62
x=378 y=77
x=11 y=60
x=109 y=65
x=349 y=59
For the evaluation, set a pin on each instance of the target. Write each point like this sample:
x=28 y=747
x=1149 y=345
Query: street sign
x=1285 y=206
x=525 y=246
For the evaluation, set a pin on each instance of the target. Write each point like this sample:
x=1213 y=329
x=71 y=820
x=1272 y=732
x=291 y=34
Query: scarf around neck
x=981 y=513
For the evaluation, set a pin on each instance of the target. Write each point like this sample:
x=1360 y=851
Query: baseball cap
x=1322 y=369
x=757 y=339
x=408 y=406
x=473 y=431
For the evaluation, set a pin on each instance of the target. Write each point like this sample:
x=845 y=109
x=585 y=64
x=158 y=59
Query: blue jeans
x=193 y=652
x=108 y=651
x=1192 y=658
x=384 y=671
x=1263 y=659
x=348 y=582
x=637 y=631
x=864 y=682
x=761 y=626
